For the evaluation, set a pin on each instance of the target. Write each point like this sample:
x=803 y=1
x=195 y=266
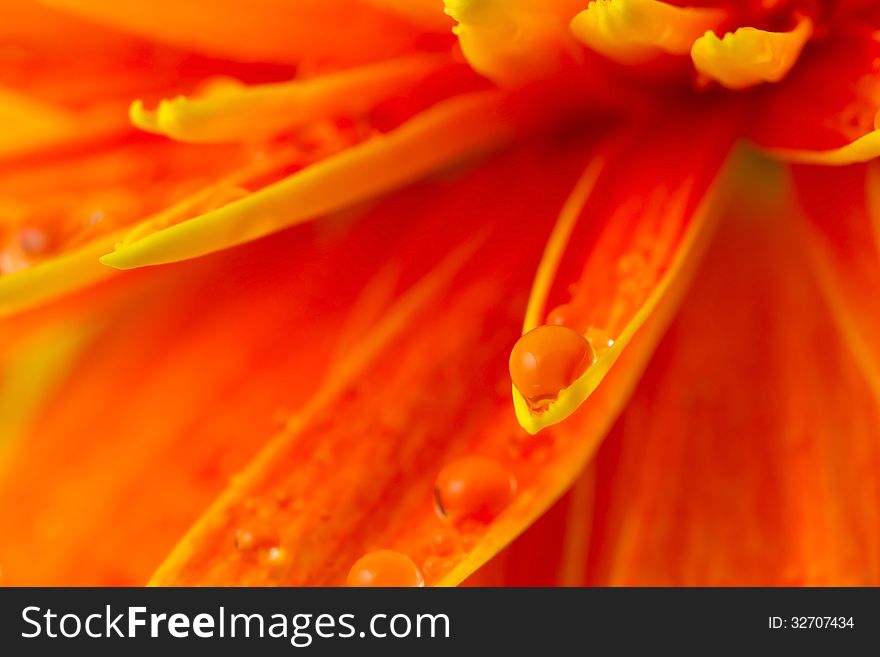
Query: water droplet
x=33 y=240
x=256 y=535
x=473 y=488
x=599 y=340
x=445 y=541
x=95 y=217
x=385 y=568
x=274 y=555
x=436 y=567
x=547 y=360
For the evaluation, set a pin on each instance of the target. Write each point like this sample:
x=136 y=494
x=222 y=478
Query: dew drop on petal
x=473 y=488
x=546 y=360
x=435 y=567
x=445 y=541
x=385 y=568
x=256 y=535
x=599 y=340
x=33 y=240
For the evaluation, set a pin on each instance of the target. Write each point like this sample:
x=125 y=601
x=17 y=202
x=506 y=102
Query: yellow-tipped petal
x=230 y=112
x=635 y=31
x=748 y=56
x=78 y=266
x=438 y=137
x=649 y=234
x=70 y=271
x=514 y=41
x=556 y=244
x=662 y=301
x=863 y=149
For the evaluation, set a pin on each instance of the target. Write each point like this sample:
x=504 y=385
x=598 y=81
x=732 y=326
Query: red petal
x=748 y=454
x=803 y=124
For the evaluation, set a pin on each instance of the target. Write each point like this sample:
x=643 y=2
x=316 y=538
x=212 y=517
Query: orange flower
x=266 y=334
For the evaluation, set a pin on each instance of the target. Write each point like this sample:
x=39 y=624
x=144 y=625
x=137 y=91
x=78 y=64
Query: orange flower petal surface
x=642 y=219
x=264 y=30
x=740 y=470
x=734 y=463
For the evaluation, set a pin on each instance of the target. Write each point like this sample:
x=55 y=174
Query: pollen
x=474 y=488
x=385 y=568
x=546 y=360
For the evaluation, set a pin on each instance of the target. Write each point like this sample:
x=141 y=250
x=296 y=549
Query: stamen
x=748 y=56
x=512 y=42
x=635 y=31
x=230 y=111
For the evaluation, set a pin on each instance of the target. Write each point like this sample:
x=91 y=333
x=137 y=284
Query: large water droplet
x=473 y=488
x=547 y=360
x=385 y=568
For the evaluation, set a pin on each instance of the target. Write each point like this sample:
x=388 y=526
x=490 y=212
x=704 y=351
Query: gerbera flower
x=267 y=333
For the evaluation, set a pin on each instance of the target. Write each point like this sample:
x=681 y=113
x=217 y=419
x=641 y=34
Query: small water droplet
x=546 y=360
x=435 y=567
x=385 y=568
x=536 y=448
x=445 y=541
x=474 y=488
x=274 y=555
x=256 y=535
x=95 y=218
x=469 y=542
x=599 y=340
x=33 y=240
x=632 y=265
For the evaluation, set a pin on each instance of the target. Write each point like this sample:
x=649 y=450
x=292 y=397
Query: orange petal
x=263 y=30
x=842 y=236
x=67 y=80
x=749 y=453
x=65 y=210
x=370 y=443
x=390 y=405
x=425 y=13
x=644 y=225
x=835 y=127
x=134 y=432
x=461 y=127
